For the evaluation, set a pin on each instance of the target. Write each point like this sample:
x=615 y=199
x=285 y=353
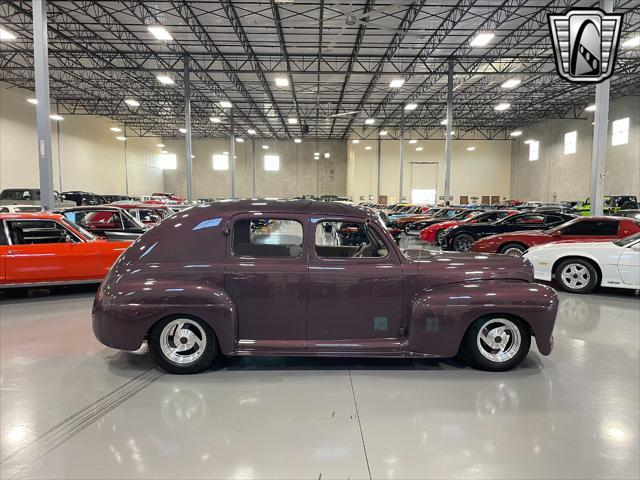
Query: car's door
x=352 y=297
x=4 y=246
x=46 y=251
x=527 y=221
x=629 y=265
x=266 y=275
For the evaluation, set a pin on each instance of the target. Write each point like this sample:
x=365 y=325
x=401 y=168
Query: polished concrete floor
x=72 y=409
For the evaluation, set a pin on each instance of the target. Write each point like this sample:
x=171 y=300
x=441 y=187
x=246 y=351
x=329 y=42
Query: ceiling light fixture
x=368 y=147
x=632 y=42
x=56 y=117
x=292 y=121
x=383 y=133
x=419 y=149
x=282 y=82
x=511 y=83
x=132 y=103
x=160 y=145
x=516 y=133
x=182 y=130
x=32 y=101
x=122 y=139
x=501 y=107
x=443 y=121
x=165 y=80
x=316 y=154
x=265 y=147
x=6 y=35
x=239 y=139
x=410 y=107
x=327 y=155
x=115 y=129
x=160 y=33
x=297 y=140
x=370 y=121
x=226 y=104
x=482 y=39
x=591 y=108
x=214 y=119
x=251 y=131
x=413 y=141
x=344 y=114
x=355 y=141
x=528 y=141
x=470 y=149
x=396 y=83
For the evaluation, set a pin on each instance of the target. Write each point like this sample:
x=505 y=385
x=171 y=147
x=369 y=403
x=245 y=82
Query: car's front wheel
x=440 y=237
x=496 y=343
x=183 y=344
x=462 y=242
x=513 y=249
x=576 y=276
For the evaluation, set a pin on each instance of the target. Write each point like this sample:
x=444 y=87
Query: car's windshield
x=81 y=231
x=558 y=228
x=623 y=242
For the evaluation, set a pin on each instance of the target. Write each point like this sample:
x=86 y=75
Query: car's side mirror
x=382 y=252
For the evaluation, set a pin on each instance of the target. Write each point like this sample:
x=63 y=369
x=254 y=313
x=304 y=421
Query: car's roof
x=88 y=207
x=232 y=207
x=30 y=216
x=127 y=204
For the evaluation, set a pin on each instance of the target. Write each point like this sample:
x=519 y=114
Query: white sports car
x=579 y=267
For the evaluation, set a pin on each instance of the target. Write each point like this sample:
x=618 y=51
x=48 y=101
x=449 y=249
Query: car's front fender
x=441 y=315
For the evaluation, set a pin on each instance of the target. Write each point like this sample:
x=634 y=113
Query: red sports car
x=433 y=232
x=580 y=229
x=48 y=249
x=148 y=214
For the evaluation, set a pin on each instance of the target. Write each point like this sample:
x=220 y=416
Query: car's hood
x=454 y=267
x=445 y=223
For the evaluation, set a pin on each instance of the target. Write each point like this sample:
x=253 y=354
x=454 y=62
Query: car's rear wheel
x=462 y=242
x=576 y=276
x=496 y=343
x=513 y=249
x=183 y=344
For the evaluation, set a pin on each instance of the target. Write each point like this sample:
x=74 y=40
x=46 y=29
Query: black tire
x=475 y=358
x=512 y=248
x=205 y=359
x=462 y=242
x=583 y=279
x=440 y=237
x=407 y=227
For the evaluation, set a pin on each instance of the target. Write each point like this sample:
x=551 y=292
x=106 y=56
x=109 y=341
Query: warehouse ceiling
x=325 y=65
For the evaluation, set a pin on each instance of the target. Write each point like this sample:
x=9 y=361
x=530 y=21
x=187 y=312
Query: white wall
x=556 y=176
x=299 y=173
x=89 y=156
x=484 y=171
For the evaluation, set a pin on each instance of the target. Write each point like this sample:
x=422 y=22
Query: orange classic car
x=48 y=249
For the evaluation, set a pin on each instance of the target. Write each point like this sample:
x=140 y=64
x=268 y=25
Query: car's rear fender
x=122 y=320
x=440 y=316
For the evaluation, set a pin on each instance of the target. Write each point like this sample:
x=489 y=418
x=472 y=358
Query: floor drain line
x=23 y=458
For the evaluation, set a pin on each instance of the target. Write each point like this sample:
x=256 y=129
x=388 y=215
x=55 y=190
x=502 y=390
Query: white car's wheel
x=576 y=275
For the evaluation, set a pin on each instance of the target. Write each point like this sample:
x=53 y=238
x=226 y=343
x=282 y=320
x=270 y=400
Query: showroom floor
x=72 y=409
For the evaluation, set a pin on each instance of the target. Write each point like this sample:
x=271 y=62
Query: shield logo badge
x=585 y=42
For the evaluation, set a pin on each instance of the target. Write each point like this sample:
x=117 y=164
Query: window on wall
x=570 y=141
x=620 y=131
x=272 y=163
x=167 y=161
x=220 y=162
x=534 y=150
x=423 y=196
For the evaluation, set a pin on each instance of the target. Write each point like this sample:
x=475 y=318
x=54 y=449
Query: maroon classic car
x=267 y=277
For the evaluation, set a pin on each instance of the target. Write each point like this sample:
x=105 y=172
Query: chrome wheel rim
x=513 y=252
x=499 y=340
x=463 y=244
x=575 y=275
x=183 y=341
x=439 y=237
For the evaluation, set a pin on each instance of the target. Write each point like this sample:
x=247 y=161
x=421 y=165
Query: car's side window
x=602 y=228
x=267 y=238
x=28 y=232
x=529 y=219
x=340 y=239
x=3 y=235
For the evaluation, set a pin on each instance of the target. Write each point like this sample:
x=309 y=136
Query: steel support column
x=43 y=122
x=600 y=129
x=253 y=167
x=232 y=153
x=401 y=155
x=379 y=168
x=187 y=126
x=447 y=142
